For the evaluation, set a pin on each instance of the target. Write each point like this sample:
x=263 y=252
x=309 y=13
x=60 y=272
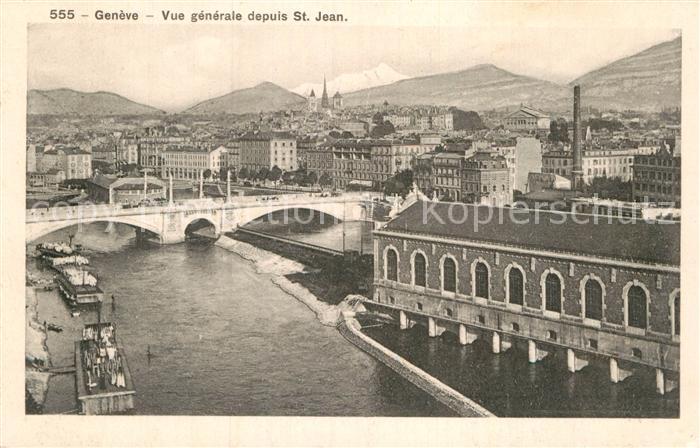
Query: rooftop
x=615 y=238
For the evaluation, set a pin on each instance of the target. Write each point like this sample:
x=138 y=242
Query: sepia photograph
x=252 y=212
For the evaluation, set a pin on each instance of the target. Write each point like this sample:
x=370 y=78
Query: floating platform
x=103 y=380
x=77 y=295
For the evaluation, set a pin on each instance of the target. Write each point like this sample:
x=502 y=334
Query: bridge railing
x=92 y=211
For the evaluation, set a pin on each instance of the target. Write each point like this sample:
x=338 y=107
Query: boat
x=103 y=379
x=78 y=285
x=57 y=250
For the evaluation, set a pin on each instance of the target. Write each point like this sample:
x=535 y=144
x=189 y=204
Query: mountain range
x=264 y=97
x=71 y=102
x=649 y=80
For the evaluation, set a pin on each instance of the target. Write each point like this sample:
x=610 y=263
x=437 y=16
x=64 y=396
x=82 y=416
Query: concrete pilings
x=496 y=342
x=534 y=353
x=664 y=383
x=403 y=320
x=432 y=329
x=574 y=363
x=466 y=336
x=618 y=374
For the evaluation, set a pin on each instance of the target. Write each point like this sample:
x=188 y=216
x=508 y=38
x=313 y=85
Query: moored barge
x=78 y=285
x=102 y=378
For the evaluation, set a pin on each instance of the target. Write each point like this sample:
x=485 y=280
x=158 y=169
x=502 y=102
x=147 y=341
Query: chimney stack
x=577 y=172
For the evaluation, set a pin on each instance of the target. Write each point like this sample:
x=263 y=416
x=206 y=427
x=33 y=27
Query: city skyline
x=171 y=55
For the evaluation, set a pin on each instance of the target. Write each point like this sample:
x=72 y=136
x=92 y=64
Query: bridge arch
x=37 y=230
x=204 y=218
x=251 y=214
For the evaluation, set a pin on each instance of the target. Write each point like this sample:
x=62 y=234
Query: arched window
x=594 y=300
x=481 y=279
x=637 y=307
x=515 y=286
x=449 y=275
x=419 y=269
x=552 y=291
x=392 y=265
x=677 y=315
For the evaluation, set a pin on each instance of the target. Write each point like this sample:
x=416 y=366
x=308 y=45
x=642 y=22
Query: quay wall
x=349 y=327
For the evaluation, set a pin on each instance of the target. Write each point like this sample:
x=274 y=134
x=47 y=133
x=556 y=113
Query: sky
x=172 y=67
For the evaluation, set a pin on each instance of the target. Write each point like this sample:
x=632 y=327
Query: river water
x=225 y=339
x=506 y=384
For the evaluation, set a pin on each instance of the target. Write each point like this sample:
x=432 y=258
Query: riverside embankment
x=340 y=316
x=36 y=355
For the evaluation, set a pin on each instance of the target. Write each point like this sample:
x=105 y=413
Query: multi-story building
x=603 y=290
x=34 y=156
x=268 y=149
x=595 y=162
x=366 y=162
x=400 y=121
x=155 y=141
x=231 y=156
x=75 y=163
x=105 y=153
x=189 y=162
x=128 y=150
x=486 y=180
x=657 y=178
x=319 y=159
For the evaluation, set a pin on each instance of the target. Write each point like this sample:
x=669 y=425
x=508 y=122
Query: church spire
x=324 y=97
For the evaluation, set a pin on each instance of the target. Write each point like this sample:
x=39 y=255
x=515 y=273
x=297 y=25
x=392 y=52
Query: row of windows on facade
x=653 y=188
x=658 y=175
x=636 y=298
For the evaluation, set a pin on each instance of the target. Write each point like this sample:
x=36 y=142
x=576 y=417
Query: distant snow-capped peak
x=350 y=82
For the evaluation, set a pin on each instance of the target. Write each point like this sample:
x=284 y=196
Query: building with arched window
x=609 y=288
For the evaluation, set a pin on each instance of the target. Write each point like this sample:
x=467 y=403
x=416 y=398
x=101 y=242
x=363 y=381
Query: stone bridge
x=169 y=222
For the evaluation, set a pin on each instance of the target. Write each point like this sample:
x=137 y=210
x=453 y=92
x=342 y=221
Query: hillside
x=71 y=102
x=481 y=87
x=264 y=97
x=649 y=80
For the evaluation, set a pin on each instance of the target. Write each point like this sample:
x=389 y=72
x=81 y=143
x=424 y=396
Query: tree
x=325 y=180
x=399 y=184
x=288 y=176
x=262 y=174
x=243 y=173
x=382 y=130
x=312 y=178
x=559 y=131
x=207 y=174
x=274 y=174
x=466 y=120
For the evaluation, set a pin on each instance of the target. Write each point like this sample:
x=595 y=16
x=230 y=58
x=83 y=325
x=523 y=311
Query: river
x=225 y=339
x=506 y=384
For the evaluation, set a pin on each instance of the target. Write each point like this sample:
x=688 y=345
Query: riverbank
x=329 y=278
x=280 y=268
x=37 y=355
